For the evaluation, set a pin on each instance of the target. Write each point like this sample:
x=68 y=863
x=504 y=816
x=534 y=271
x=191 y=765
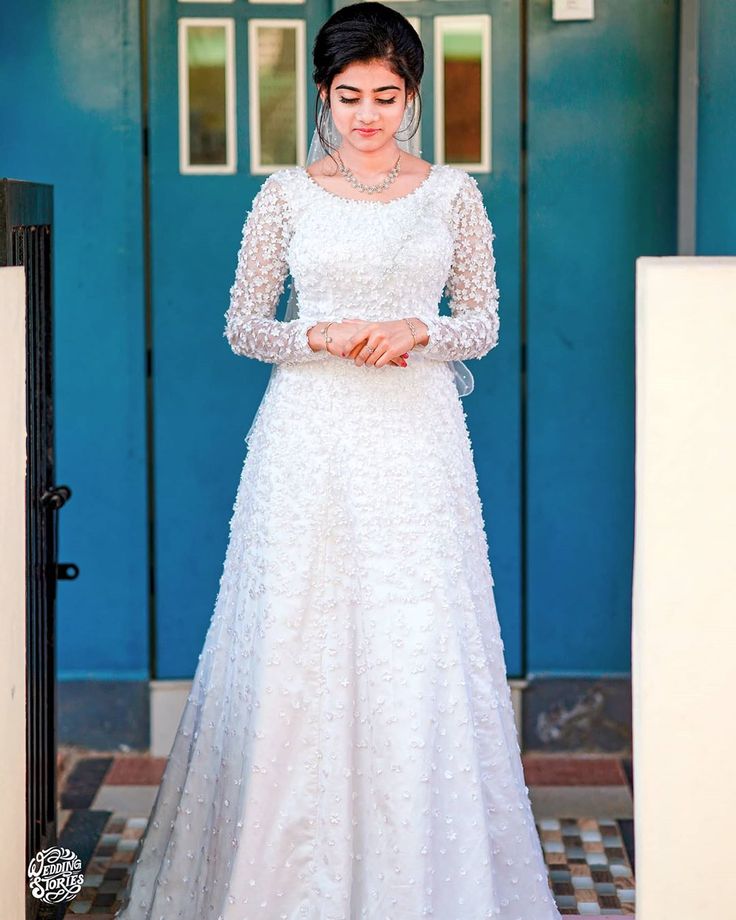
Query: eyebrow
x=378 y=89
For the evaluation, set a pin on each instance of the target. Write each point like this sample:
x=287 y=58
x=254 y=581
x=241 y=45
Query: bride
x=348 y=749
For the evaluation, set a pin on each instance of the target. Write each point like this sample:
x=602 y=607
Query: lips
x=367 y=131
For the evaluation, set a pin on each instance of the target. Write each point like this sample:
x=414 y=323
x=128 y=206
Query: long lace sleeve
x=261 y=269
x=473 y=328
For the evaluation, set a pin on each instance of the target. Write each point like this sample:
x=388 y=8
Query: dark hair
x=366 y=31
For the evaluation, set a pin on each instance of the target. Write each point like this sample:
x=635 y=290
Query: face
x=368 y=101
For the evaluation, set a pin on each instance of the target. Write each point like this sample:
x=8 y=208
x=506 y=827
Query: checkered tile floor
x=583 y=808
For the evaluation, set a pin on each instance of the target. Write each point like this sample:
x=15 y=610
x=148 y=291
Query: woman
x=348 y=748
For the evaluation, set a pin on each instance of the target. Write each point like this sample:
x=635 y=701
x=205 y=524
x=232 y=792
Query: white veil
x=462 y=374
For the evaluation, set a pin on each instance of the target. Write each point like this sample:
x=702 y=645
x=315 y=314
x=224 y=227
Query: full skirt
x=348 y=748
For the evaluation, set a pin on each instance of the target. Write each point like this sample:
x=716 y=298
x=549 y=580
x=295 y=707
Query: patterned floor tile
x=587 y=857
x=126 y=800
x=136 y=770
x=541 y=770
x=581 y=801
x=82 y=783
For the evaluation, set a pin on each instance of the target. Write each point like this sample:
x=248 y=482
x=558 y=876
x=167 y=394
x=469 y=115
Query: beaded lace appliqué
x=302 y=221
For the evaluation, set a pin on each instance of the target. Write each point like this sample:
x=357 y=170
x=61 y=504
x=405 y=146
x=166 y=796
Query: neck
x=371 y=162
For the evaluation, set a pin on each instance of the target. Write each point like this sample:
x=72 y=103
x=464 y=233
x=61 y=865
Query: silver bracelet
x=328 y=338
x=411 y=329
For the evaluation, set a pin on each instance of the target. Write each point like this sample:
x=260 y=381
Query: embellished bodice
x=377 y=260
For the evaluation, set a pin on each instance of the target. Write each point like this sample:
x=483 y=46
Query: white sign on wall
x=572 y=9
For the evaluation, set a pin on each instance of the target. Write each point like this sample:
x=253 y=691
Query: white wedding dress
x=348 y=748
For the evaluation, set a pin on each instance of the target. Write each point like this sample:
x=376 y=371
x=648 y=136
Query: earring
x=406 y=120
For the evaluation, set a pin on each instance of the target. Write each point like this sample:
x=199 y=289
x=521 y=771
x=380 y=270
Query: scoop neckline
x=312 y=181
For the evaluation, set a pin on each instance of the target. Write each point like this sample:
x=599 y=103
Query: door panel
x=204 y=396
x=217 y=126
x=493 y=408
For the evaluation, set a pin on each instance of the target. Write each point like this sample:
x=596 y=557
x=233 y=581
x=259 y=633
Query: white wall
x=12 y=591
x=684 y=604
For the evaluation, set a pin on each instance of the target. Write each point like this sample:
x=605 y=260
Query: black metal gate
x=26 y=220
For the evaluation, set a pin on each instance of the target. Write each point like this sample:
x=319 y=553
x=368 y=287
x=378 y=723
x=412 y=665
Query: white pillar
x=684 y=589
x=12 y=590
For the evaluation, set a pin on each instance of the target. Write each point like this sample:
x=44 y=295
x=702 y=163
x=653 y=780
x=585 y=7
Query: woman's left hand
x=389 y=340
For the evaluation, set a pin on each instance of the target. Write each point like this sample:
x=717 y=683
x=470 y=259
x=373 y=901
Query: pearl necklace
x=370 y=189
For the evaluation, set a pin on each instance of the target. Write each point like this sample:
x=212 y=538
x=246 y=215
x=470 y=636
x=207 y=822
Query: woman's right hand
x=340 y=333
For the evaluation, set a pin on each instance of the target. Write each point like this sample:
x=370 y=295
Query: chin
x=375 y=140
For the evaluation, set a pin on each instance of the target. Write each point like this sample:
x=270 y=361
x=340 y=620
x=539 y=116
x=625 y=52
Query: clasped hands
x=390 y=340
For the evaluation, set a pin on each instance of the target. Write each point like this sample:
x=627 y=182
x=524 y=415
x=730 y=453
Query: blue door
x=231 y=100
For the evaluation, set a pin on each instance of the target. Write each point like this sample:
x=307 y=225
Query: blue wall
x=716 y=204
x=70 y=116
x=602 y=191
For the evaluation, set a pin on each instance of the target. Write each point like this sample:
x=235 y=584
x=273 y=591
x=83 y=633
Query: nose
x=367 y=114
